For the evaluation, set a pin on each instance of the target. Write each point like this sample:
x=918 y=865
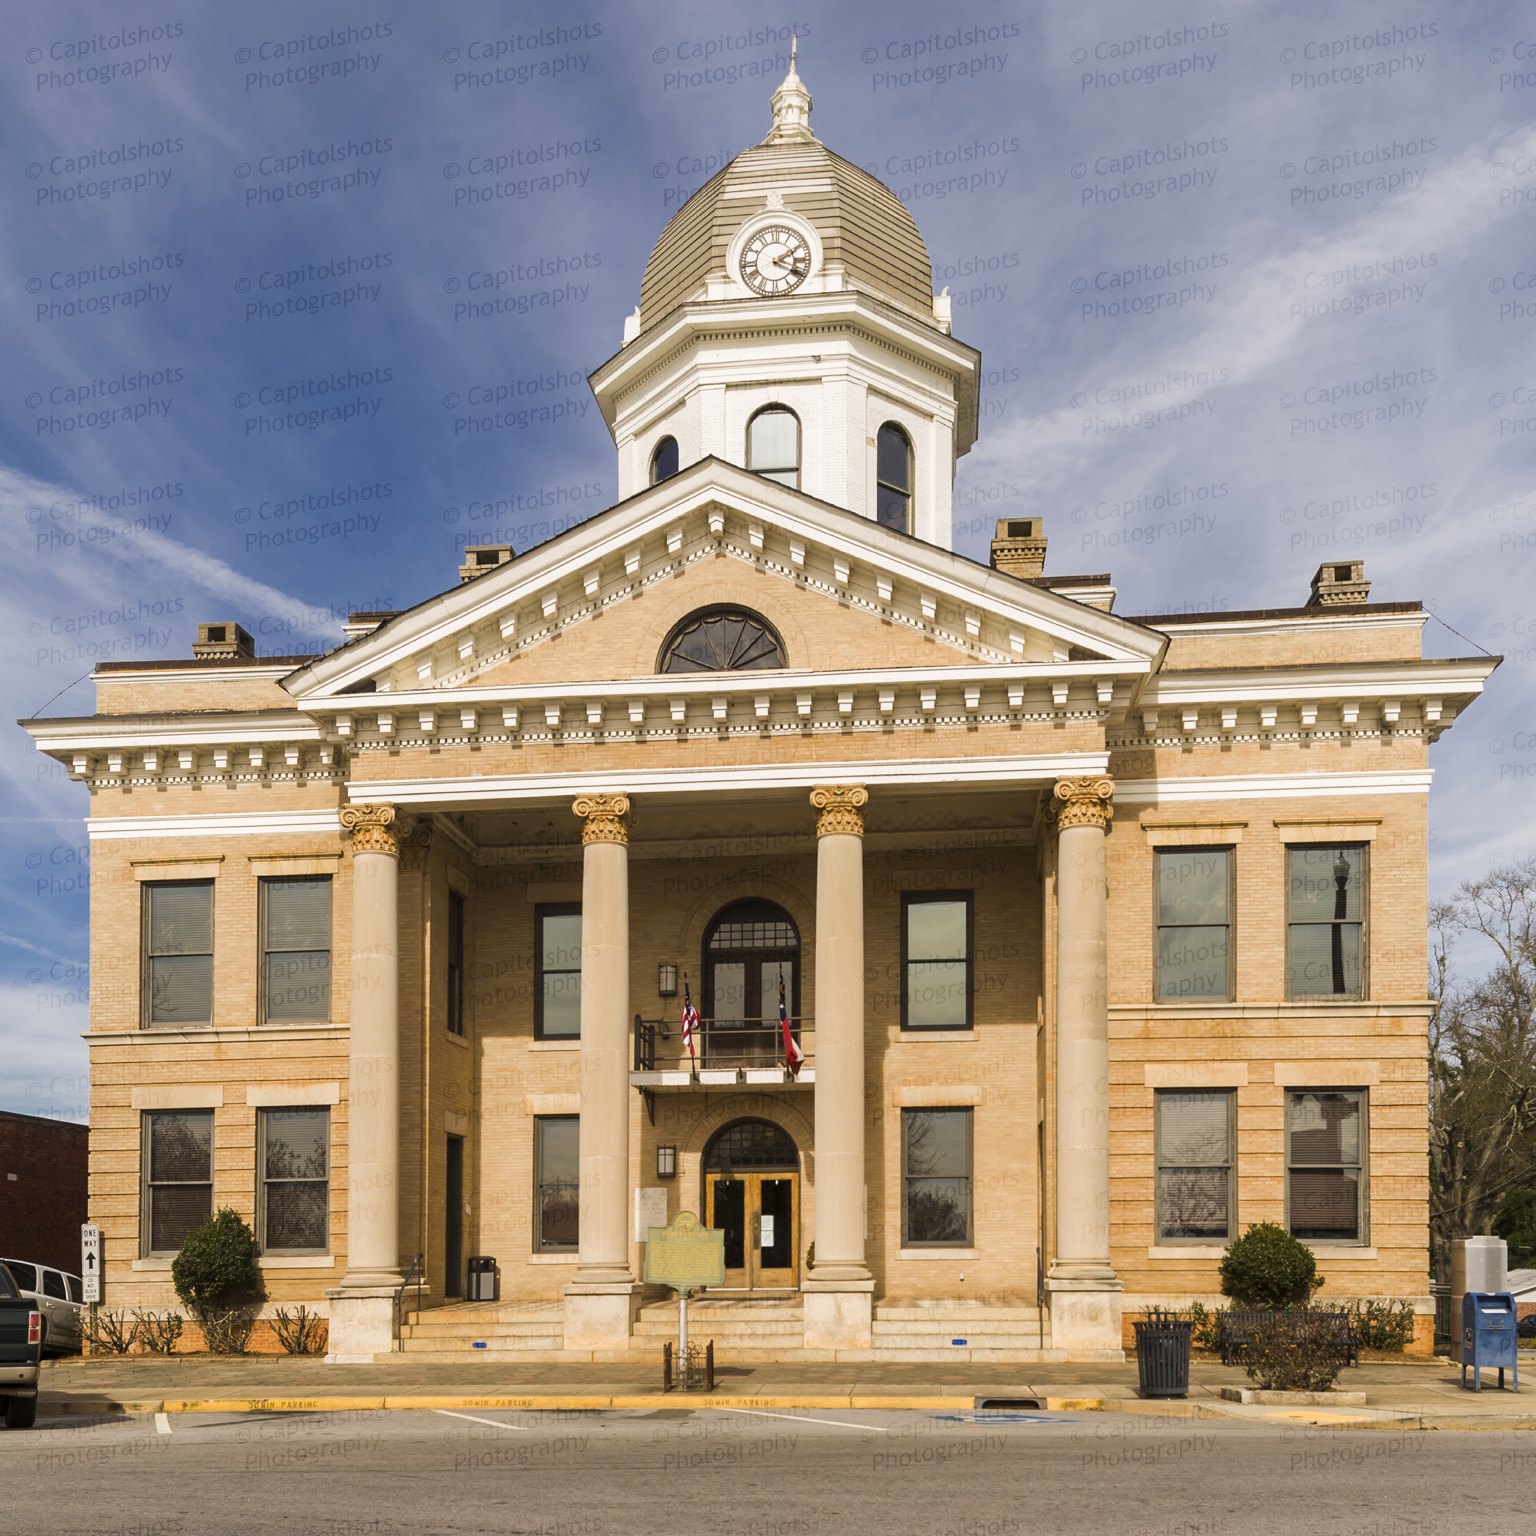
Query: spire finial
x=791 y=106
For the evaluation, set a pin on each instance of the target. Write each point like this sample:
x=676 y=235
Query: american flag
x=794 y=1057
x=690 y=1017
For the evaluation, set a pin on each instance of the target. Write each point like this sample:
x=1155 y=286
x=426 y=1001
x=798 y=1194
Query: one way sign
x=90 y=1260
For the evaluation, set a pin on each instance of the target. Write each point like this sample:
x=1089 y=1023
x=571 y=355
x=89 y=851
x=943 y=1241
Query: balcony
x=726 y=1052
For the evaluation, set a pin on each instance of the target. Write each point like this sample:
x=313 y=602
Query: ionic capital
x=841 y=807
x=373 y=829
x=1083 y=802
x=605 y=817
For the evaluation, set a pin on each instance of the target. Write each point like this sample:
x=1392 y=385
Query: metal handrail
x=718 y=1042
x=418 y=1274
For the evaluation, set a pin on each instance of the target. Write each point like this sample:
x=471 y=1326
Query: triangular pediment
x=854 y=595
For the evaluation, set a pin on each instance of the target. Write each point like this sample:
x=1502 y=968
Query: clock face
x=775 y=260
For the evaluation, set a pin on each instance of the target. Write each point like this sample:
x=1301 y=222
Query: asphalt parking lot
x=752 y=1472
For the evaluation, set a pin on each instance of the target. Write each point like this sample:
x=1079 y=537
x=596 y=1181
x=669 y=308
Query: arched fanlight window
x=721 y=640
x=893 y=477
x=664 y=460
x=773 y=445
x=750 y=1144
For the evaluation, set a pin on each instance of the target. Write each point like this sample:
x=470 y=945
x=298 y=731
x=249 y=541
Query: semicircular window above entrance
x=750 y=1144
x=722 y=640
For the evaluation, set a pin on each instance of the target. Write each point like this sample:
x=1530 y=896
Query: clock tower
x=787 y=323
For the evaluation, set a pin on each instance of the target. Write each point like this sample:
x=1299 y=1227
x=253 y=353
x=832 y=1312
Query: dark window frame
x=1362 y=1239
x=540 y=912
x=538 y=1243
x=1364 y=924
x=263 y=891
x=969 y=1241
x=1158 y=1097
x=1230 y=849
x=147 y=1185
x=455 y=967
x=147 y=956
x=262 y=1181
x=910 y=899
x=655 y=478
x=909 y=490
x=723 y=612
x=770 y=471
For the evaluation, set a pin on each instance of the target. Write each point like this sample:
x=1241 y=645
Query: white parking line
x=163 y=1423
x=801 y=1418
x=494 y=1423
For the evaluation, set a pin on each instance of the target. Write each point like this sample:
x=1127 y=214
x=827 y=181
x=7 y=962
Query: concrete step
x=719 y=1327
x=958 y=1327
x=905 y=1343
x=520 y=1348
x=480 y=1314
x=435 y=1330
x=945 y=1315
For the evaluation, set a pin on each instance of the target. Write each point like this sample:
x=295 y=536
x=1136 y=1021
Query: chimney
x=228 y=641
x=480 y=558
x=1018 y=547
x=1339 y=582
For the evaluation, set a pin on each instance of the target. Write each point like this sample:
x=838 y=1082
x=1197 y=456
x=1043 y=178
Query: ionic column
x=362 y=1307
x=599 y=1301
x=839 y=1289
x=1085 y=1302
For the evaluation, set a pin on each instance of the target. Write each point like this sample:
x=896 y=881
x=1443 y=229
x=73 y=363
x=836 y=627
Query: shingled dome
x=863 y=226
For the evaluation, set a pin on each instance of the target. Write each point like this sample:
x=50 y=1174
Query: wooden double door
x=759 y=1213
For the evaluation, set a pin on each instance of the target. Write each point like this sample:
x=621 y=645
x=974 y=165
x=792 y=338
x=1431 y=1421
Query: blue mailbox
x=1488 y=1336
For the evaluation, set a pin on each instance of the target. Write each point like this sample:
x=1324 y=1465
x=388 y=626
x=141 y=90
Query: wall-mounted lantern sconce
x=666 y=979
x=666 y=1162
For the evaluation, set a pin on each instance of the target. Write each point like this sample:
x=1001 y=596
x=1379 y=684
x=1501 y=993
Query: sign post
x=90 y=1277
x=685 y=1255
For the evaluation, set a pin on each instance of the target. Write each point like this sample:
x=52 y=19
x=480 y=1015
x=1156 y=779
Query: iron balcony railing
x=720 y=1044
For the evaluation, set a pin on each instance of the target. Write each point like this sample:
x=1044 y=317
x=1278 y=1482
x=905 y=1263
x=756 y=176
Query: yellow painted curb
x=1075 y=1405
x=270 y=1404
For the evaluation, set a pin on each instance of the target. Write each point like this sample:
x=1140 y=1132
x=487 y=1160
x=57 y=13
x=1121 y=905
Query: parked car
x=60 y=1299
x=21 y=1350
x=1526 y=1327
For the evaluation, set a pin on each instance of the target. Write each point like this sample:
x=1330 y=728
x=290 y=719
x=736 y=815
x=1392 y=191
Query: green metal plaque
x=685 y=1255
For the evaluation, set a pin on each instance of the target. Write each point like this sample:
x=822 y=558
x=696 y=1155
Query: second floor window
x=1325 y=952
x=893 y=479
x=1194 y=927
x=773 y=445
x=936 y=960
x=557 y=982
x=178 y=953
x=296 y=951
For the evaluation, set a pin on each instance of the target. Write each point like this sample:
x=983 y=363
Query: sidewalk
x=204 y=1384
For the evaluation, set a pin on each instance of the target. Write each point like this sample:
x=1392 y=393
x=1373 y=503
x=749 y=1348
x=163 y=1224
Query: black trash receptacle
x=482 y=1278
x=1162 y=1355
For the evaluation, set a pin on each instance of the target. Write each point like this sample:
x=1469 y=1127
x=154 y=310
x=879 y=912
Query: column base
x=839 y=1314
x=1086 y=1315
x=362 y=1324
x=599 y=1316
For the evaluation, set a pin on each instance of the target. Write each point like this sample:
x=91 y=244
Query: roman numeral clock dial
x=776 y=260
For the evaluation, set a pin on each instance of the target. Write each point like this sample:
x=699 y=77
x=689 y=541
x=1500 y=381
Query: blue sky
x=1255 y=287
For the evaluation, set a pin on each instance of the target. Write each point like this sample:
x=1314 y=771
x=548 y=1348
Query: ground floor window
x=1194 y=1166
x=178 y=1177
x=1325 y=1161
x=557 y=1184
x=936 y=1178
x=293 y=1213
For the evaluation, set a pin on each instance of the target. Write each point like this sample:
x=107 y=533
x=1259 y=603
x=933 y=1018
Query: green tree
x=1267 y=1269
x=1515 y=1222
x=217 y=1266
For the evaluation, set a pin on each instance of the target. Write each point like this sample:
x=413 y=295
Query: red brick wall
x=42 y=1190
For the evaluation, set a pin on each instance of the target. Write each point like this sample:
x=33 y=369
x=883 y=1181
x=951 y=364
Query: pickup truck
x=21 y=1350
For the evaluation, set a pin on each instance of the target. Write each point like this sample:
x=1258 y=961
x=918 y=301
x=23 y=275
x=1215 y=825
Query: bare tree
x=1482 y=1056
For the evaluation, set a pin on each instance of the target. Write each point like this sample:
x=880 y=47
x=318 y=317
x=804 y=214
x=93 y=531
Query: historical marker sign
x=685 y=1255
x=90 y=1260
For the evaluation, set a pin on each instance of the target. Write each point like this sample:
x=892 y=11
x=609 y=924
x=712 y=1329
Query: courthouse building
x=1096 y=938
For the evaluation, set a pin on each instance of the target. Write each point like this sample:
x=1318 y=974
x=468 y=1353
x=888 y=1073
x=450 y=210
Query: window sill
x=297 y=1261
x=1341 y=1251
x=1189 y=1250
x=919 y=1255
x=554 y=1045
x=154 y=1264
x=457 y=1040
x=554 y=1258
x=936 y=1034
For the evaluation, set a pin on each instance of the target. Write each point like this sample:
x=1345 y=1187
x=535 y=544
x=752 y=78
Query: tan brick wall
x=1317 y=644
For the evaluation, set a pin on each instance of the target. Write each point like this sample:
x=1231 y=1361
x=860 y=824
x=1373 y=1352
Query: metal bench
x=1236 y=1328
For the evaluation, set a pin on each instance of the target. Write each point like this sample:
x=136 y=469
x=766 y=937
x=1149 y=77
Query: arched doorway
x=750 y=949
x=752 y=1193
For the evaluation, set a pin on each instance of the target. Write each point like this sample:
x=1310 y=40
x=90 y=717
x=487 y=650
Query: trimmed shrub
x=216 y=1267
x=1267 y=1270
x=1297 y=1351
x=1206 y=1332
